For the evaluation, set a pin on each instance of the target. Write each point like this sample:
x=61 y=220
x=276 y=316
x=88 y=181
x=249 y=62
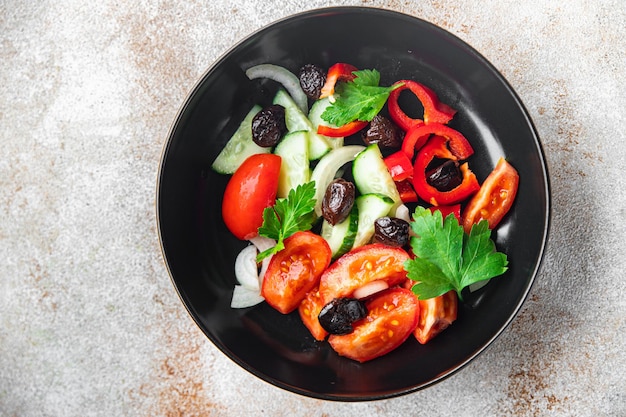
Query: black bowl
x=200 y=252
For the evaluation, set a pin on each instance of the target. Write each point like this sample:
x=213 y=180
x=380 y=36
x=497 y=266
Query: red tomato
x=360 y=266
x=494 y=198
x=309 y=310
x=435 y=315
x=295 y=270
x=249 y=191
x=391 y=319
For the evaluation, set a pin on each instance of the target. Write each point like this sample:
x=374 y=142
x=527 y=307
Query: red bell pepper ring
x=341 y=131
x=434 y=110
x=447 y=210
x=338 y=72
x=437 y=147
x=417 y=136
x=406 y=191
x=399 y=165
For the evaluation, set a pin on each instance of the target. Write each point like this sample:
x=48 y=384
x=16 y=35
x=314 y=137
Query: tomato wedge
x=391 y=319
x=435 y=315
x=295 y=270
x=249 y=191
x=309 y=310
x=360 y=266
x=494 y=198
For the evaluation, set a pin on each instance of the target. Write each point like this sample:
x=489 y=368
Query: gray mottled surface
x=90 y=324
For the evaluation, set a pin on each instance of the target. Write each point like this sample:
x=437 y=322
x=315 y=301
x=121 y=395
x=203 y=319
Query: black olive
x=383 y=132
x=338 y=316
x=446 y=176
x=312 y=79
x=391 y=231
x=268 y=126
x=338 y=200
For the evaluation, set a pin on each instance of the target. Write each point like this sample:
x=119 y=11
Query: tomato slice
x=309 y=310
x=391 y=319
x=361 y=266
x=295 y=270
x=435 y=315
x=249 y=191
x=494 y=198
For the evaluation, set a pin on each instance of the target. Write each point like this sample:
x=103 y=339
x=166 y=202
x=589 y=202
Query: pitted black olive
x=383 y=132
x=312 y=79
x=268 y=126
x=391 y=231
x=338 y=200
x=446 y=176
x=338 y=316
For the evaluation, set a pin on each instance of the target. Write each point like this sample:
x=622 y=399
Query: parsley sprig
x=288 y=216
x=447 y=258
x=359 y=99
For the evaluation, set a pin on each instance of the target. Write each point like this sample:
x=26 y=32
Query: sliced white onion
x=402 y=212
x=264 y=265
x=263 y=243
x=246 y=269
x=370 y=288
x=244 y=297
x=283 y=76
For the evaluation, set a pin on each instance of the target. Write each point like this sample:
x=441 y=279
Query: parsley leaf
x=359 y=99
x=447 y=258
x=288 y=216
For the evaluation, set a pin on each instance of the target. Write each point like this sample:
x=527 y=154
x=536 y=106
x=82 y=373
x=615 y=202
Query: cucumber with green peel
x=370 y=207
x=315 y=116
x=341 y=236
x=327 y=167
x=294 y=168
x=239 y=147
x=296 y=120
x=371 y=175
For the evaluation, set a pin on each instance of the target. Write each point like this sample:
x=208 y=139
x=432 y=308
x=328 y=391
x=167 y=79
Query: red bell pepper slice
x=341 y=131
x=434 y=110
x=417 y=136
x=406 y=191
x=437 y=147
x=446 y=210
x=399 y=165
x=338 y=72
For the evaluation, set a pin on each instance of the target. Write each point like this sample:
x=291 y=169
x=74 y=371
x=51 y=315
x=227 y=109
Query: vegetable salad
x=367 y=222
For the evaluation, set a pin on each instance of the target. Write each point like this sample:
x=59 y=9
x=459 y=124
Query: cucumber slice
x=315 y=116
x=371 y=207
x=294 y=168
x=296 y=120
x=325 y=170
x=371 y=175
x=239 y=147
x=340 y=237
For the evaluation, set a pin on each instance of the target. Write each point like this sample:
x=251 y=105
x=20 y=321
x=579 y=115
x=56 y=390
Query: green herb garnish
x=359 y=99
x=447 y=258
x=288 y=216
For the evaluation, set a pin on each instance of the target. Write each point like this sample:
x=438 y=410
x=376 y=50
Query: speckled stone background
x=90 y=324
